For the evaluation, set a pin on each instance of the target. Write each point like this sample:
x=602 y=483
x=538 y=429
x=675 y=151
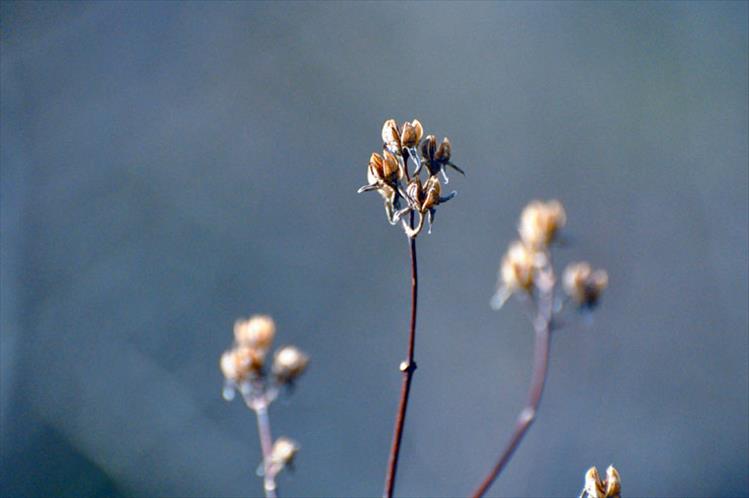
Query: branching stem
x=266 y=444
x=542 y=324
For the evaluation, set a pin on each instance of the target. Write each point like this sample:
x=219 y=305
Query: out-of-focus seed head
x=289 y=363
x=241 y=363
x=444 y=151
x=257 y=332
x=518 y=268
x=584 y=285
x=593 y=485
x=412 y=133
x=429 y=147
x=613 y=483
x=283 y=452
x=540 y=221
x=391 y=136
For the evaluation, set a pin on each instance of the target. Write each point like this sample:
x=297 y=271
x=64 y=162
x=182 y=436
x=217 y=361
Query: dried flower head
x=288 y=364
x=437 y=158
x=597 y=488
x=613 y=483
x=411 y=134
x=423 y=200
x=241 y=363
x=518 y=267
x=384 y=174
x=517 y=273
x=584 y=285
x=540 y=221
x=391 y=136
x=283 y=452
x=256 y=332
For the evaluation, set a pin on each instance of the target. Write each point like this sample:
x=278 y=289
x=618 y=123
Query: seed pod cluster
x=526 y=266
x=245 y=361
x=387 y=173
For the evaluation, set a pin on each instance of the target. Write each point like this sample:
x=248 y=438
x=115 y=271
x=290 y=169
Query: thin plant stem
x=407 y=367
x=266 y=445
x=542 y=325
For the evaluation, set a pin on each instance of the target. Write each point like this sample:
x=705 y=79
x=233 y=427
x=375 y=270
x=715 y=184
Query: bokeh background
x=168 y=167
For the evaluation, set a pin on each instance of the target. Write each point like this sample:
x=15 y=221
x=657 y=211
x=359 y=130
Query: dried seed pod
x=391 y=136
x=241 y=363
x=391 y=168
x=375 y=171
x=613 y=483
x=518 y=270
x=429 y=147
x=283 y=452
x=593 y=485
x=411 y=134
x=540 y=222
x=256 y=332
x=289 y=363
x=444 y=151
x=584 y=285
x=432 y=192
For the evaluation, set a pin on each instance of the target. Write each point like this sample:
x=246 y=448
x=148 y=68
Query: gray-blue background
x=167 y=167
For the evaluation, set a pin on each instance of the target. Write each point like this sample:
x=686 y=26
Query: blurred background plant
x=245 y=371
x=167 y=167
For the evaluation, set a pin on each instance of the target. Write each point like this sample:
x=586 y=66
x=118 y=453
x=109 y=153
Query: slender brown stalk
x=407 y=367
x=542 y=326
x=266 y=444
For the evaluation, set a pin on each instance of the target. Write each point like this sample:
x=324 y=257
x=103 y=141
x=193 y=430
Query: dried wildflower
x=240 y=363
x=384 y=175
x=423 y=200
x=256 y=332
x=411 y=134
x=284 y=451
x=540 y=222
x=584 y=285
x=597 y=488
x=517 y=273
x=288 y=364
x=437 y=158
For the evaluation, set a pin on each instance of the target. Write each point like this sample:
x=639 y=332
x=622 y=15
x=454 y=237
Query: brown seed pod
x=444 y=151
x=429 y=147
x=411 y=134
